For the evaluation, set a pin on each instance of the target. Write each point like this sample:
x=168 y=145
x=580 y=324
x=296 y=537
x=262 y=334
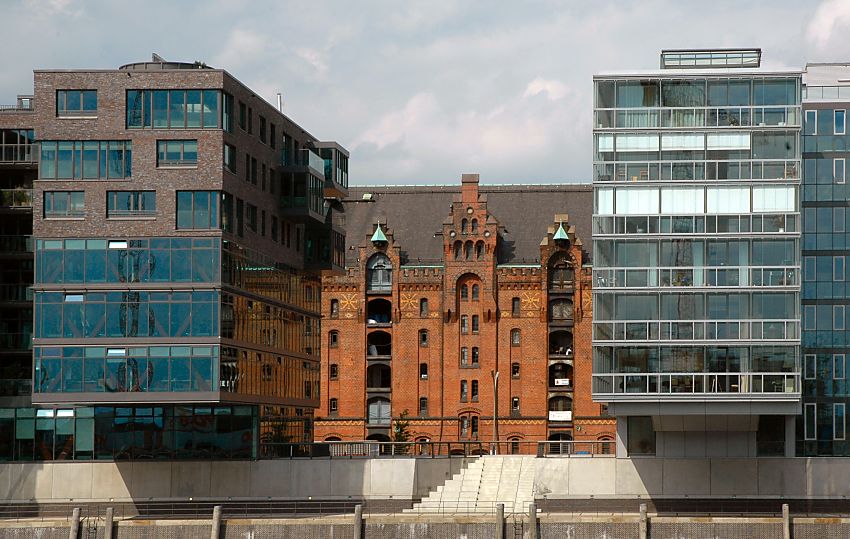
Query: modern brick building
x=447 y=290
x=181 y=225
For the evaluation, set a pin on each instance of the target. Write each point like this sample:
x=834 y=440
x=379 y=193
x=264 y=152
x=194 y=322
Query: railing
x=697 y=330
x=376 y=449
x=64 y=214
x=781 y=223
x=130 y=213
x=307 y=158
x=719 y=384
x=699 y=171
x=17 y=153
x=698 y=117
x=15 y=292
x=16 y=244
x=697 y=276
x=16 y=198
x=15 y=341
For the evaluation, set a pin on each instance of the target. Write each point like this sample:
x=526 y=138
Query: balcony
x=698 y=117
x=304 y=160
x=303 y=208
x=379 y=313
x=378 y=346
x=561 y=344
x=16 y=198
x=336 y=169
x=697 y=277
x=684 y=386
x=781 y=330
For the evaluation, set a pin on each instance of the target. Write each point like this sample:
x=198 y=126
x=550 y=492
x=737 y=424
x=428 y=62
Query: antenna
x=279 y=102
x=156 y=58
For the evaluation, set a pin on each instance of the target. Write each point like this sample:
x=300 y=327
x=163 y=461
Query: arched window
x=378 y=343
x=458 y=247
x=514 y=445
x=423 y=371
x=515 y=337
x=561 y=272
x=514 y=405
x=423 y=307
x=475 y=323
x=379 y=274
x=333 y=371
x=467 y=250
x=463 y=226
x=514 y=370
x=334 y=308
x=561 y=309
x=475 y=226
x=423 y=406
x=333 y=339
x=464 y=292
x=423 y=337
x=515 y=307
x=475 y=290
x=479 y=250
x=474 y=356
x=333 y=406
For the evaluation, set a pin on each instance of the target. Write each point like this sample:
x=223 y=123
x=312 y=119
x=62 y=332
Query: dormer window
x=379 y=273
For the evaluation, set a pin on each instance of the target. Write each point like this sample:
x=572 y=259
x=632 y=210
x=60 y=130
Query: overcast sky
x=421 y=92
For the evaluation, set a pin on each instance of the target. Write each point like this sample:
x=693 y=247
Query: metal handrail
x=713 y=383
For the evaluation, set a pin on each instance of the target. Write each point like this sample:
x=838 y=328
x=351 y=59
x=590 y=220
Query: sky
x=422 y=91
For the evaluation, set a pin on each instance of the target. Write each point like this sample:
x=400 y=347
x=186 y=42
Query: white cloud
x=553 y=89
x=831 y=19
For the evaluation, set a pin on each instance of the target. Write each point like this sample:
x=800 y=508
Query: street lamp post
x=495 y=375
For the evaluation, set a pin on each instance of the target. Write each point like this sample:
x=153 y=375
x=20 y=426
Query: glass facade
x=696 y=238
x=821 y=428
x=174 y=109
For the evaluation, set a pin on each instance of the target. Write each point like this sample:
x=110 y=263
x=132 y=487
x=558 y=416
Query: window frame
x=839 y=360
x=516 y=337
x=814 y=122
x=835 y=121
x=423 y=338
x=333 y=371
x=112 y=199
x=82 y=112
x=810 y=364
x=70 y=213
x=333 y=339
x=182 y=162
x=835 y=176
x=423 y=372
x=516 y=370
x=835 y=433
x=810 y=430
x=213 y=210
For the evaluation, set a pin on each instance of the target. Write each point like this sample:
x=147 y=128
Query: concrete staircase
x=486 y=482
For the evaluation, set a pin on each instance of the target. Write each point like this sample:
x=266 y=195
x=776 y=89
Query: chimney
x=469 y=188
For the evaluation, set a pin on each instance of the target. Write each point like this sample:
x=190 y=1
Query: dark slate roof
x=415 y=213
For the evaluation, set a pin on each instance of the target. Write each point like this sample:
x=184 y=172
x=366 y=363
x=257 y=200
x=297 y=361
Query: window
x=333 y=339
x=475 y=324
x=243 y=116
x=250 y=120
x=263 y=222
x=423 y=337
x=130 y=203
x=515 y=337
x=464 y=356
x=514 y=370
x=838 y=170
x=333 y=406
x=379 y=274
x=479 y=250
x=463 y=226
x=423 y=371
x=810 y=421
x=76 y=102
x=464 y=292
x=514 y=446
x=515 y=307
x=181 y=153
x=197 y=209
x=272 y=135
x=838 y=366
x=263 y=177
x=810 y=364
x=252 y=217
x=262 y=129
x=475 y=290
x=838 y=422
x=423 y=406
x=474 y=356
x=464 y=393
x=274 y=228
x=334 y=308
x=515 y=405
x=254 y=170
x=811 y=126
x=474 y=427
x=475 y=226
x=239 y=217
x=839 y=121
x=423 y=308
x=809 y=268
x=227 y=112
x=230 y=158
x=837 y=317
x=641 y=435
x=85 y=160
x=464 y=324
x=333 y=371
x=172 y=109
x=474 y=392
x=809 y=317
x=837 y=268
x=64 y=204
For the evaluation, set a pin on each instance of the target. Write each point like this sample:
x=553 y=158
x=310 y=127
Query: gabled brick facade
x=471 y=307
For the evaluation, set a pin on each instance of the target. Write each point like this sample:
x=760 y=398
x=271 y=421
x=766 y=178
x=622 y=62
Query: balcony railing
x=608 y=170
x=130 y=213
x=15 y=341
x=698 y=117
x=16 y=198
x=729 y=385
x=782 y=223
x=697 y=330
x=16 y=244
x=17 y=153
x=700 y=276
x=304 y=158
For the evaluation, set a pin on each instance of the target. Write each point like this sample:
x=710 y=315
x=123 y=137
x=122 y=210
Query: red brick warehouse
x=443 y=289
